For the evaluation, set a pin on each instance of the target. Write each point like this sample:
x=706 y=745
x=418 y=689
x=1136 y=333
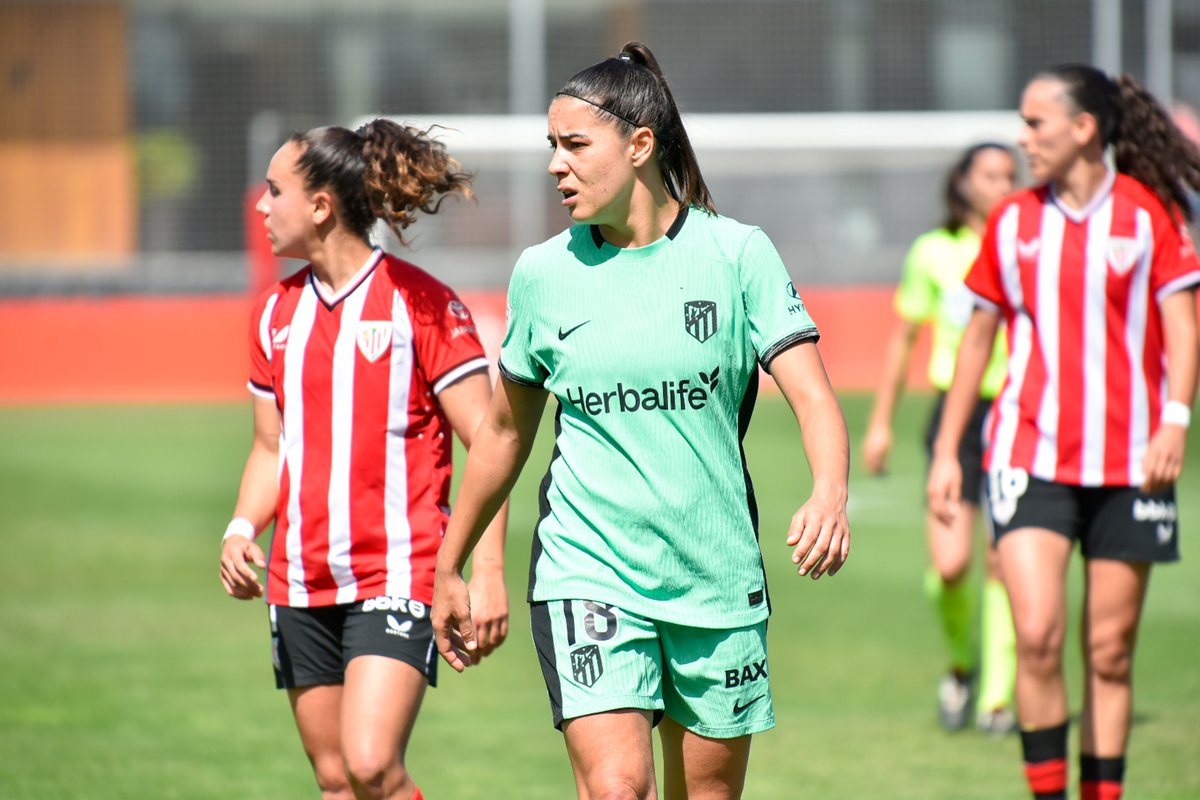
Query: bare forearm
x=973 y=354
x=489 y=550
x=259 y=490
x=826 y=446
x=493 y=464
x=895 y=368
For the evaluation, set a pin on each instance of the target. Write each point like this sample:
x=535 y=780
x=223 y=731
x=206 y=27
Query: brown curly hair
x=383 y=170
x=1147 y=144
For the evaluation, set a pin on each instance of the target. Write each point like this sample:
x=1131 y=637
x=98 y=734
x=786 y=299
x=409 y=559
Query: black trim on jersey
x=745 y=411
x=672 y=232
x=481 y=368
x=263 y=388
x=346 y=290
x=787 y=342
x=543 y=505
x=513 y=377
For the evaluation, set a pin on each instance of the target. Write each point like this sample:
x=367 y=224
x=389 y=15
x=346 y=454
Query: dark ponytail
x=632 y=91
x=383 y=170
x=1147 y=144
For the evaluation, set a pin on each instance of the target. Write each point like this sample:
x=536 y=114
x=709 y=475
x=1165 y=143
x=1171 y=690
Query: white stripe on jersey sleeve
x=474 y=365
x=258 y=391
x=395 y=490
x=1095 y=344
x=1188 y=280
x=341 y=431
x=982 y=302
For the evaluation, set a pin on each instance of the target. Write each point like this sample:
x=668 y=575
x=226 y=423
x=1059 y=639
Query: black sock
x=1046 y=762
x=1101 y=778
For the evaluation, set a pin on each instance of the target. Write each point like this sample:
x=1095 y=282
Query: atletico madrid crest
x=586 y=665
x=374 y=338
x=700 y=318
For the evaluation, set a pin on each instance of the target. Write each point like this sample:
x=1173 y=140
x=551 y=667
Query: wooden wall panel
x=66 y=157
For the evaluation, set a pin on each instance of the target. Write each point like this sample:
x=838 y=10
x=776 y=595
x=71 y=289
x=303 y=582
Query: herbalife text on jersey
x=680 y=395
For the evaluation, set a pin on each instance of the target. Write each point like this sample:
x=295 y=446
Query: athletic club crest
x=700 y=319
x=586 y=667
x=1123 y=253
x=374 y=338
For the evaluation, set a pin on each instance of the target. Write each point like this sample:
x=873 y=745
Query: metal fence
x=132 y=130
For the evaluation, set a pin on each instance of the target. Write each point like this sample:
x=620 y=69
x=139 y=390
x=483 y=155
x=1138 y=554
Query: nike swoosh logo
x=738 y=709
x=564 y=334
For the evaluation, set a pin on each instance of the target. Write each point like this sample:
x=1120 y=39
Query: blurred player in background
x=931 y=291
x=647 y=321
x=361 y=367
x=1094 y=274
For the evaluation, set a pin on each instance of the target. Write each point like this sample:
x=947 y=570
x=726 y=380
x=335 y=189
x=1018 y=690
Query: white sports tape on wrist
x=239 y=526
x=1176 y=413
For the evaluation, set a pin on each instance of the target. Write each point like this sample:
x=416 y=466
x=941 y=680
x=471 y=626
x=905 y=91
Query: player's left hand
x=1163 y=460
x=820 y=534
x=489 y=611
x=451 y=618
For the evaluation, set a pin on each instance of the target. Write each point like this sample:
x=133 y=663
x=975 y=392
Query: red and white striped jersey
x=1080 y=293
x=365 y=448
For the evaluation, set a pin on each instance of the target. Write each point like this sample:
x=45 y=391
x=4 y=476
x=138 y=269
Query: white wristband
x=239 y=526
x=1176 y=413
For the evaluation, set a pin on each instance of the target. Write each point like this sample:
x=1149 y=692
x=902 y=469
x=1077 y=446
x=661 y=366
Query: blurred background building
x=133 y=132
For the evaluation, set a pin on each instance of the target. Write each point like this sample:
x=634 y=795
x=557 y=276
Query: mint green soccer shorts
x=596 y=657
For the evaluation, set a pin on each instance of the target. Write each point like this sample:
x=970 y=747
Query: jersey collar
x=1098 y=199
x=364 y=272
x=672 y=232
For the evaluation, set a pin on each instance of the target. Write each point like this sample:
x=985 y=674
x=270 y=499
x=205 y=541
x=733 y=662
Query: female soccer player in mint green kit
x=932 y=290
x=648 y=321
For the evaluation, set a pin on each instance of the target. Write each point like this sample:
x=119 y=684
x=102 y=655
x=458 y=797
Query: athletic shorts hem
x=1123 y=557
x=1131 y=558
x=734 y=731
x=308 y=680
x=601 y=705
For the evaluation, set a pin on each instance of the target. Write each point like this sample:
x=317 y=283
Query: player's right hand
x=451 y=618
x=877 y=444
x=239 y=580
x=944 y=488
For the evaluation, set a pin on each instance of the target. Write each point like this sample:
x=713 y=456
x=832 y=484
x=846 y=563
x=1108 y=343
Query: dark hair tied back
x=384 y=170
x=1147 y=144
x=958 y=207
x=631 y=90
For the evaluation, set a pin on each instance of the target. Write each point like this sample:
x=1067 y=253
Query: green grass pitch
x=126 y=673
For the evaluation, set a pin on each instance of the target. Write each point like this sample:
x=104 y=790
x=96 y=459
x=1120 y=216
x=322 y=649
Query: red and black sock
x=1046 y=762
x=1101 y=778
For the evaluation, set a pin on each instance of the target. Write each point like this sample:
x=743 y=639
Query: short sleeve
x=517 y=363
x=447 y=344
x=775 y=312
x=917 y=294
x=1175 y=266
x=983 y=279
x=262 y=333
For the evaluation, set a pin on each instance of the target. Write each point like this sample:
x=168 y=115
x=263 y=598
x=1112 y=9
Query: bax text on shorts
x=680 y=394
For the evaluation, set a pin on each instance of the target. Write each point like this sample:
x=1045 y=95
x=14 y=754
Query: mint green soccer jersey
x=653 y=355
